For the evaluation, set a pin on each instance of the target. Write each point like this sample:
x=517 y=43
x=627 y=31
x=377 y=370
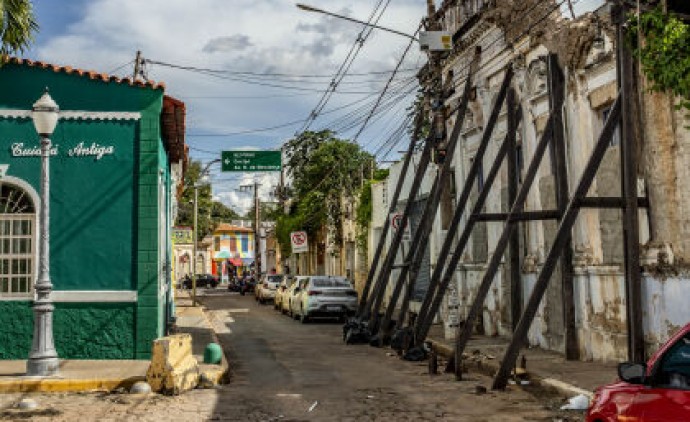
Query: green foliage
x=324 y=170
x=209 y=212
x=664 y=52
x=365 y=207
x=17 y=26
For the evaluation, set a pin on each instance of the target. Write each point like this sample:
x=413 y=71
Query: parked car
x=281 y=291
x=202 y=280
x=288 y=295
x=324 y=296
x=653 y=392
x=266 y=290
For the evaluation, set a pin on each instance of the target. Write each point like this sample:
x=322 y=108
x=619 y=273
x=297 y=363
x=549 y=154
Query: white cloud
x=239 y=35
x=227 y=44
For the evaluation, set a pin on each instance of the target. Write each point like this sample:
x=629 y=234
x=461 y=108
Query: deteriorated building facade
x=524 y=33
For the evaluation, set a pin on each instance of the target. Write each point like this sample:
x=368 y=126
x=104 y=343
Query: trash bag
x=415 y=354
x=349 y=324
x=402 y=338
x=357 y=335
x=579 y=402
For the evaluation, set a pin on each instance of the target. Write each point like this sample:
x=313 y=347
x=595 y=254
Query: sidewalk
x=545 y=369
x=108 y=375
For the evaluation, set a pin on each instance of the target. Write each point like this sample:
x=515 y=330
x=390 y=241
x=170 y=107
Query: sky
x=260 y=68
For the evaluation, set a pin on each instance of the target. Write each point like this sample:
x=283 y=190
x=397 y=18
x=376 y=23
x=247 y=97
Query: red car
x=656 y=392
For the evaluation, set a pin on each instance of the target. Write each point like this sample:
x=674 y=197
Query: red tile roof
x=104 y=77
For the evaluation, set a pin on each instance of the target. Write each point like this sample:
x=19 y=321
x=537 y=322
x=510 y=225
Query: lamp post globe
x=43 y=359
x=45 y=115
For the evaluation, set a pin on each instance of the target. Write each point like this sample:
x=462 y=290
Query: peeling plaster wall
x=666 y=154
x=586 y=51
x=600 y=313
x=665 y=308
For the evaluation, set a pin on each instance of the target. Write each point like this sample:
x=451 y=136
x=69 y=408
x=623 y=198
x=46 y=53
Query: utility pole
x=257 y=231
x=137 y=66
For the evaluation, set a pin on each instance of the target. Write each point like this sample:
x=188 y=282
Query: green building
x=116 y=164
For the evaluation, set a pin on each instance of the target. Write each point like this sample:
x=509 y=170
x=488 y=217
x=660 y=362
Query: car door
x=299 y=295
x=667 y=399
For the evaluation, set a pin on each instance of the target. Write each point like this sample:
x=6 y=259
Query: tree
x=209 y=212
x=17 y=26
x=324 y=170
x=664 y=51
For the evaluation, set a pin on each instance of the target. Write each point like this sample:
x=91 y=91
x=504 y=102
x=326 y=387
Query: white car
x=324 y=296
x=281 y=292
x=286 y=300
x=266 y=290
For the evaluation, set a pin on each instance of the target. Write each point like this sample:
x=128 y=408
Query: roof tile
x=104 y=77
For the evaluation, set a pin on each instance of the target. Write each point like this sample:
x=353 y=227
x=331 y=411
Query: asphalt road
x=282 y=370
x=285 y=370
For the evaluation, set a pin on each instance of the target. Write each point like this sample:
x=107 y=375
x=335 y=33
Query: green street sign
x=246 y=161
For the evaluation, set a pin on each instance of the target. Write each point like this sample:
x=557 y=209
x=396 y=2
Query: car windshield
x=331 y=282
x=274 y=278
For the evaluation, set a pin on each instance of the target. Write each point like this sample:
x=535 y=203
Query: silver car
x=324 y=296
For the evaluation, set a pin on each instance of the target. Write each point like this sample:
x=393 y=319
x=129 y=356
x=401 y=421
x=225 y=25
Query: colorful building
x=118 y=155
x=233 y=246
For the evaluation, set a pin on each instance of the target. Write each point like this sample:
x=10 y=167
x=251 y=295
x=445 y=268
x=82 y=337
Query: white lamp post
x=43 y=359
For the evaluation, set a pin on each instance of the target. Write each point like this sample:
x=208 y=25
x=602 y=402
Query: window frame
x=18 y=264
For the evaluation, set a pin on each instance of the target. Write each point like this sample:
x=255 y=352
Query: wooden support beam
x=609 y=202
x=627 y=78
x=386 y=225
x=556 y=82
x=514 y=243
x=465 y=330
x=562 y=236
x=520 y=216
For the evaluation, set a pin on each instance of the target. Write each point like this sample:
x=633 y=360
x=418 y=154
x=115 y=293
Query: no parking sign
x=396 y=222
x=299 y=242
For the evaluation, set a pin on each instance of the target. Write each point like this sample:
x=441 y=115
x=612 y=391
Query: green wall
x=104 y=213
x=81 y=331
x=92 y=201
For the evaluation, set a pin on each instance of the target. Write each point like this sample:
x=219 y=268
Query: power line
x=279 y=126
x=385 y=88
x=345 y=66
x=271 y=75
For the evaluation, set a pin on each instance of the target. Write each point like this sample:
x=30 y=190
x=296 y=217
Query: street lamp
x=308 y=8
x=203 y=180
x=43 y=359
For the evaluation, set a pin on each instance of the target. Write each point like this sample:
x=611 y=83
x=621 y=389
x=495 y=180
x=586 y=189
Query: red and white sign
x=396 y=221
x=299 y=242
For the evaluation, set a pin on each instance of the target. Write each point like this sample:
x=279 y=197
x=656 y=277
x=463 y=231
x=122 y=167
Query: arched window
x=17 y=248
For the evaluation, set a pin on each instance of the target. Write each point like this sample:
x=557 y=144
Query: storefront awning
x=222 y=255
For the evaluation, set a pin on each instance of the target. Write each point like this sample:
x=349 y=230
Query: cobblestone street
x=284 y=370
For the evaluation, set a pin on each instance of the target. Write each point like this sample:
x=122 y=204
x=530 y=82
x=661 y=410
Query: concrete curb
x=490 y=367
x=211 y=372
x=57 y=385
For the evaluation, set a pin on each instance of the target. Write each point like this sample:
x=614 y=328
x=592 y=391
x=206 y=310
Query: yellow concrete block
x=211 y=375
x=173 y=368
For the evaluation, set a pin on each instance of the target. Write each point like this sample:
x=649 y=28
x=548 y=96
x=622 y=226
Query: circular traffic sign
x=299 y=238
